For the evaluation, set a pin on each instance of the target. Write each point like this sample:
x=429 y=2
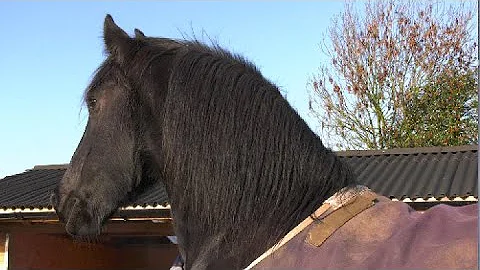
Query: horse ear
x=117 y=42
x=139 y=34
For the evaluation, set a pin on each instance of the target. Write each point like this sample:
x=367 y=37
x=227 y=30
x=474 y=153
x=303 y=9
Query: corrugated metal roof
x=416 y=174
x=29 y=189
x=33 y=188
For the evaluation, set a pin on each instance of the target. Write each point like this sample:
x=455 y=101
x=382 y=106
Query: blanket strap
x=326 y=226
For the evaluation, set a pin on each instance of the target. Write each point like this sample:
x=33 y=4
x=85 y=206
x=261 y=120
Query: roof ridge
x=409 y=151
x=50 y=167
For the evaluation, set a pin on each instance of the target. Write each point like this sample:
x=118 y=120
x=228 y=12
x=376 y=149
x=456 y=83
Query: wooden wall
x=123 y=246
x=52 y=251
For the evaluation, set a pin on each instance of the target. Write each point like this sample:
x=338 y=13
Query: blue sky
x=49 y=51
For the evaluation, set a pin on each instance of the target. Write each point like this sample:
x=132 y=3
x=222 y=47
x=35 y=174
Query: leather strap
x=325 y=227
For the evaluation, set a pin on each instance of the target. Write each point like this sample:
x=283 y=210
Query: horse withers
x=242 y=170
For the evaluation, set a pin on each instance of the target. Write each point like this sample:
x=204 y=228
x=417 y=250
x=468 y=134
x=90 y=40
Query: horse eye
x=91 y=102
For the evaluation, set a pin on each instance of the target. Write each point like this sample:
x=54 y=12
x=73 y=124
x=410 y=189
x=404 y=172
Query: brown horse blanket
x=389 y=235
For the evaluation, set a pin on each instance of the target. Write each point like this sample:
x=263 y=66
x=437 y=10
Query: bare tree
x=383 y=61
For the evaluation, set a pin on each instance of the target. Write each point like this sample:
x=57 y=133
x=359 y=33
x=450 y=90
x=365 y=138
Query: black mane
x=241 y=166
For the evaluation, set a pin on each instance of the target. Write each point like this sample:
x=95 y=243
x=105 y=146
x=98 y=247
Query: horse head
x=112 y=159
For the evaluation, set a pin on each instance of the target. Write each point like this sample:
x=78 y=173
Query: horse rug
x=385 y=235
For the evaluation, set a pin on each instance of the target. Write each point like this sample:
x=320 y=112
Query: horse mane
x=241 y=166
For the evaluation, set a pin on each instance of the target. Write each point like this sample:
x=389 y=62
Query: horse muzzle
x=75 y=214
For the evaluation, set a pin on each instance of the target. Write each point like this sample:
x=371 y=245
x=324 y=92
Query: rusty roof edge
x=49 y=208
x=407 y=151
x=128 y=212
x=152 y=212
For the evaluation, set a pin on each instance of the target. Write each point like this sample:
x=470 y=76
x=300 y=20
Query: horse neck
x=315 y=174
x=241 y=167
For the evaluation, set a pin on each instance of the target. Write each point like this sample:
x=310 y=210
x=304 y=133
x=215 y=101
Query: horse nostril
x=64 y=206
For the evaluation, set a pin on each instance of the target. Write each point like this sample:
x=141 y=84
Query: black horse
x=240 y=167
